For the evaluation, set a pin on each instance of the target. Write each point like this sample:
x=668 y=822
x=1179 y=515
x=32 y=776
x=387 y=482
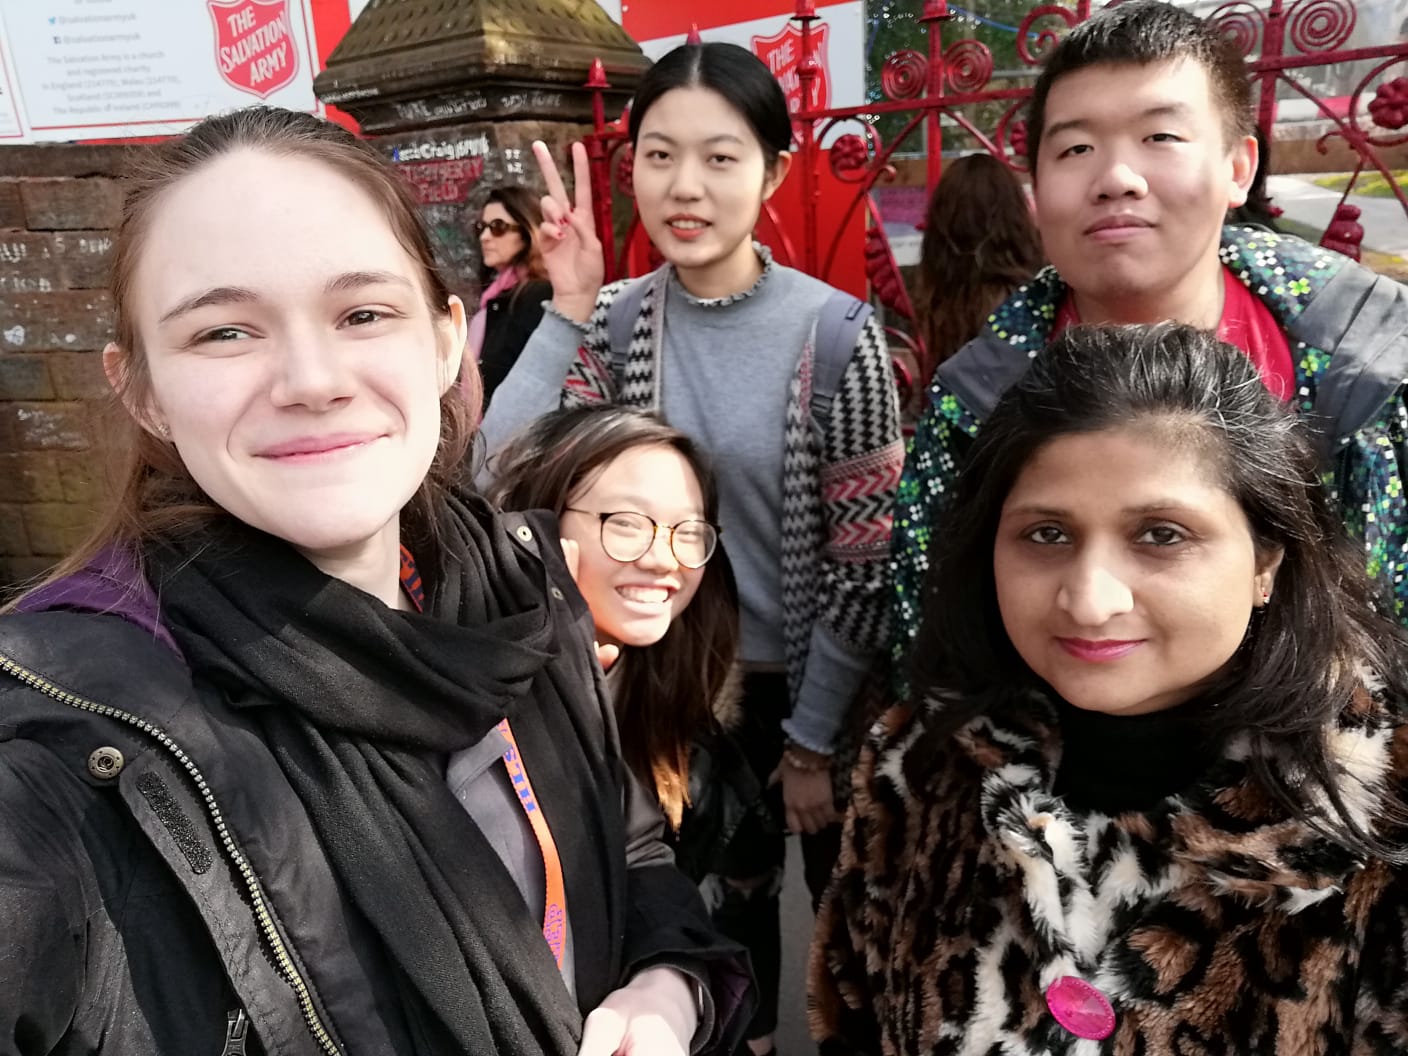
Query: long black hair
x=980 y=244
x=1306 y=655
x=738 y=75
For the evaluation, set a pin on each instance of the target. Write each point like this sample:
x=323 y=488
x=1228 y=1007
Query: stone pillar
x=455 y=92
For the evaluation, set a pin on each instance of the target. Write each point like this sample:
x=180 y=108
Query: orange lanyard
x=555 y=902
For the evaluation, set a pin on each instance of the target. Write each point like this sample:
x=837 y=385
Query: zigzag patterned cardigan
x=838 y=491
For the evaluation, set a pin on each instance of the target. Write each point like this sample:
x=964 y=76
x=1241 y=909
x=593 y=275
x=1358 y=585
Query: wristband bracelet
x=552 y=309
x=795 y=761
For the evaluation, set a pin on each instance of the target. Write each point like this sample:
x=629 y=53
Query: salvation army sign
x=766 y=28
x=254 y=44
x=782 y=52
x=112 y=69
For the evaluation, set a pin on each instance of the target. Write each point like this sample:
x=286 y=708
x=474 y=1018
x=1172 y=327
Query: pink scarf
x=504 y=280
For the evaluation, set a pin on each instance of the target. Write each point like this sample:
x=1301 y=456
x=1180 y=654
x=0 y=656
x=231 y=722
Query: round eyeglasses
x=496 y=227
x=627 y=536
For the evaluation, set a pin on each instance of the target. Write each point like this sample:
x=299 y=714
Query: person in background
x=638 y=506
x=980 y=244
x=724 y=343
x=511 y=305
x=1141 y=138
x=1148 y=794
x=307 y=748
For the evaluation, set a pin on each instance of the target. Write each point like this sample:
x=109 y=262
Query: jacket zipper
x=246 y=871
x=236 y=1028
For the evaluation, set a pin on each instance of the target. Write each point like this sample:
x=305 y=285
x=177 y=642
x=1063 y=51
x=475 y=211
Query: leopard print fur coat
x=1214 y=923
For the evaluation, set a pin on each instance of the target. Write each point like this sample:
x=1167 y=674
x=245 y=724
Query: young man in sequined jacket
x=1142 y=137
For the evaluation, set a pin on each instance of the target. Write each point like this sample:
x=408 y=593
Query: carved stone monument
x=455 y=92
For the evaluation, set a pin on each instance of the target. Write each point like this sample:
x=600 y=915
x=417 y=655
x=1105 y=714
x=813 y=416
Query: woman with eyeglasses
x=638 y=504
x=512 y=303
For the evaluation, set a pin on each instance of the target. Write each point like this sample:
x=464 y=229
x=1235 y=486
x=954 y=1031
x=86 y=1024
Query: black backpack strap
x=1359 y=318
x=621 y=319
x=838 y=327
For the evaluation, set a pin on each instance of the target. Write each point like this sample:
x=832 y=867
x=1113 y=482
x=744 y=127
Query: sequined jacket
x=1348 y=333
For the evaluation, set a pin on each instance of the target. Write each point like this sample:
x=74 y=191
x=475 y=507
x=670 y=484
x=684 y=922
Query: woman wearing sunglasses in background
x=638 y=506
x=512 y=303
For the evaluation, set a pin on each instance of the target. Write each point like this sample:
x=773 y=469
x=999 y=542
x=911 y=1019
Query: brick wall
x=58 y=205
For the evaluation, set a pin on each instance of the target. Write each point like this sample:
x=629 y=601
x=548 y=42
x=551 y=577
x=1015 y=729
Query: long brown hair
x=154 y=495
x=523 y=209
x=980 y=243
x=666 y=692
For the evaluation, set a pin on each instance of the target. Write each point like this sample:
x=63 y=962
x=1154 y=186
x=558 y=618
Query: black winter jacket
x=509 y=320
x=162 y=890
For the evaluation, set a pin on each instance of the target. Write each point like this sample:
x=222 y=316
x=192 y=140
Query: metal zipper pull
x=235 y=1030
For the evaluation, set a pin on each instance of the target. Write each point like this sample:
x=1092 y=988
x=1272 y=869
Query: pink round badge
x=1080 y=1008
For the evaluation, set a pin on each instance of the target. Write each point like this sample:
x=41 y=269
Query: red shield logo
x=783 y=54
x=255 y=49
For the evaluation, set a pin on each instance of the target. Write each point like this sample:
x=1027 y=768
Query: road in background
x=1305 y=203
x=792 y=1036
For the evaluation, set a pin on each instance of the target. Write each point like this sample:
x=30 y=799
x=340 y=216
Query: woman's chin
x=639 y=634
x=322 y=538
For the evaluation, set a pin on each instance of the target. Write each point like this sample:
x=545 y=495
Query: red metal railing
x=1281 y=41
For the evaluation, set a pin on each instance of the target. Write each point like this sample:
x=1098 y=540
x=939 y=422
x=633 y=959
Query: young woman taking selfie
x=306 y=750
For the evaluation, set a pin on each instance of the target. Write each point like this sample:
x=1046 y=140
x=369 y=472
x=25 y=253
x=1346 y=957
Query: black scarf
x=360 y=705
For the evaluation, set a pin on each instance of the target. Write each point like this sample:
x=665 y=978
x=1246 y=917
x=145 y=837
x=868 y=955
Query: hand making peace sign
x=570 y=247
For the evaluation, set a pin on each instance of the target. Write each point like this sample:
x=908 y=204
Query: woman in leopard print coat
x=1148 y=799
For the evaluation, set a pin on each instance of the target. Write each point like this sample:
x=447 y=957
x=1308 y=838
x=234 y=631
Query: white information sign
x=100 y=69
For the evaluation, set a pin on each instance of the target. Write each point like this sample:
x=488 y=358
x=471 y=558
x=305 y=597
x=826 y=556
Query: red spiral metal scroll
x=904 y=75
x=1320 y=25
x=967 y=66
x=1243 y=22
x=1046 y=38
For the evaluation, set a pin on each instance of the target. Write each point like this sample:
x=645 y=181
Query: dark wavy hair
x=1305 y=655
x=980 y=244
x=1139 y=33
x=523 y=209
x=666 y=692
